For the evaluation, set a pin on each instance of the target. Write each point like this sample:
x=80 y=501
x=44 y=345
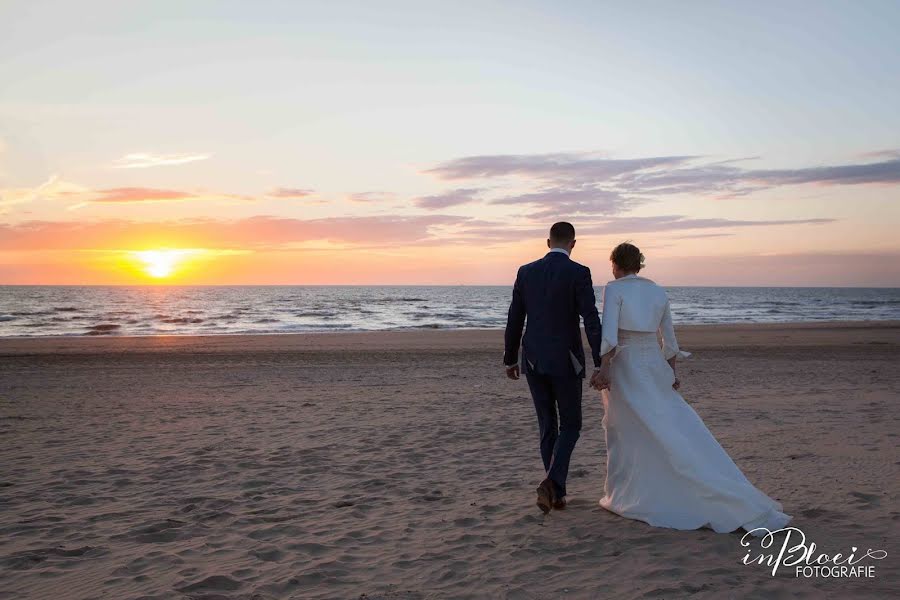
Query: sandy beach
x=401 y=465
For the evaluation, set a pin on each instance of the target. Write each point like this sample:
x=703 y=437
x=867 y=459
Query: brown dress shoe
x=546 y=495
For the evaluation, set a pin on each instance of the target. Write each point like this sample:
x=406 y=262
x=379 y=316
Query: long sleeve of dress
x=667 y=330
x=612 y=304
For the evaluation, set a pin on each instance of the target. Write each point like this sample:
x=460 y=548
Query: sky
x=218 y=142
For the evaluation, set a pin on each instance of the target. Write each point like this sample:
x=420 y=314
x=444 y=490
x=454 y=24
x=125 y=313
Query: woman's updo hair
x=627 y=257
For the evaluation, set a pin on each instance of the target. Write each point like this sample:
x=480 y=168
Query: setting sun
x=160 y=263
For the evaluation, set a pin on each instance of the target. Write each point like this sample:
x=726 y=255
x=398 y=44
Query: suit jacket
x=551 y=294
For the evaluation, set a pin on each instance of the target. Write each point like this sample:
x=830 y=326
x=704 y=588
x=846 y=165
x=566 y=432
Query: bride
x=664 y=467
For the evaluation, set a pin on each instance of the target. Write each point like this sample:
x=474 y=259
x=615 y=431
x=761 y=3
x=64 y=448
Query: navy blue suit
x=551 y=294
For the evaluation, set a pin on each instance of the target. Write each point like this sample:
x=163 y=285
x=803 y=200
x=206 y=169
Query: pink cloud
x=250 y=233
x=286 y=192
x=139 y=194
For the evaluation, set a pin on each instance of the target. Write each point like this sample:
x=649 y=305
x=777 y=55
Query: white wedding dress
x=664 y=467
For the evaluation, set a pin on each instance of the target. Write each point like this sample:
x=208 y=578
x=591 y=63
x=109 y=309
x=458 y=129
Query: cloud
x=562 y=184
x=448 y=198
x=269 y=233
x=661 y=223
x=887 y=171
x=78 y=196
x=53 y=188
x=698 y=236
x=141 y=160
x=559 y=166
x=493 y=232
x=289 y=193
x=130 y=195
x=372 y=197
x=723 y=179
x=138 y=194
x=889 y=153
x=572 y=202
x=584 y=184
x=259 y=232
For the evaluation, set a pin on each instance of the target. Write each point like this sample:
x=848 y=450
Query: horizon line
x=377 y=285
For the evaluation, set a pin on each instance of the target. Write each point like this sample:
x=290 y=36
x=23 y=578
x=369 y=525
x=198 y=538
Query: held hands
x=512 y=372
x=600 y=378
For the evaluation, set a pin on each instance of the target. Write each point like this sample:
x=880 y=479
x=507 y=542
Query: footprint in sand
x=865 y=501
x=214 y=583
x=165 y=531
x=29 y=558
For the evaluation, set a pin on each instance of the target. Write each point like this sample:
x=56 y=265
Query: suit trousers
x=557 y=402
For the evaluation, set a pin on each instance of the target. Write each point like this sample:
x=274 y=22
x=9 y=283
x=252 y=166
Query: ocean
x=189 y=310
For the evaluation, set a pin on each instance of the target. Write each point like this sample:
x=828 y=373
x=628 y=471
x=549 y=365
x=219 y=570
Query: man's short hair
x=562 y=232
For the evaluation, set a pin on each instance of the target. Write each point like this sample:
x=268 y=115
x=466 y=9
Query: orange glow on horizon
x=160 y=263
x=159 y=258
x=166 y=265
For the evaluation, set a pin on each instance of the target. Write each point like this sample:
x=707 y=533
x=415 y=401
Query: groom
x=551 y=293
